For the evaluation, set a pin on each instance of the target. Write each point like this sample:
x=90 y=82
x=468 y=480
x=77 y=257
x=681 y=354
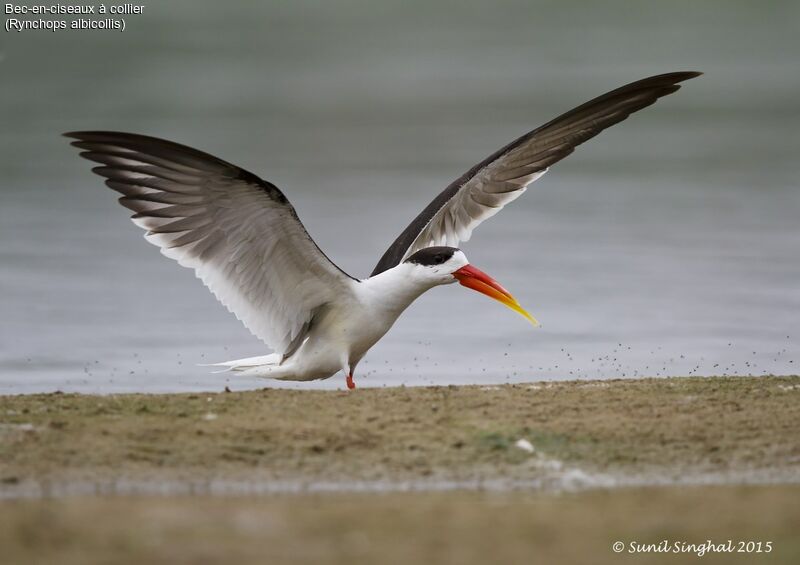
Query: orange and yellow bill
x=476 y=279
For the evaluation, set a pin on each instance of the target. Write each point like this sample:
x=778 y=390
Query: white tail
x=263 y=361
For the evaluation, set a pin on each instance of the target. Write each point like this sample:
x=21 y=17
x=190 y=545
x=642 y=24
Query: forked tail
x=262 y=365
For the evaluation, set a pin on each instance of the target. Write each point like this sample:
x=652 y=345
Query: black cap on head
x=432 y=256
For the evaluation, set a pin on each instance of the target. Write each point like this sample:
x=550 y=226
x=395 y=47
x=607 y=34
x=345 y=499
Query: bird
x=246 y=243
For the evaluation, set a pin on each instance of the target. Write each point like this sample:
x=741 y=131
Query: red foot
x=350 y=383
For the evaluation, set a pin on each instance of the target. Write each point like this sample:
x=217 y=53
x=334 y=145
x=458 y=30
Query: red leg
x=350 y=383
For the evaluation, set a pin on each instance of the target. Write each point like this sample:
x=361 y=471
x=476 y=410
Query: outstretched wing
x=238 y=232
x=503 y=176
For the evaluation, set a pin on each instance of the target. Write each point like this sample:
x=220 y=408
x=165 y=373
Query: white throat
x=394 y=290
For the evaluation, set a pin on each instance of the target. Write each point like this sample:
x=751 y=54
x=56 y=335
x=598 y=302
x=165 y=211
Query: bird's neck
x=392 y=290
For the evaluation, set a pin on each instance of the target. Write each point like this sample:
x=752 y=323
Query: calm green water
x=665 y=246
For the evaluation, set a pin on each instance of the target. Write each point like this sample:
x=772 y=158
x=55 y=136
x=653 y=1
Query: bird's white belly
x=336 y=343
x=342 y=333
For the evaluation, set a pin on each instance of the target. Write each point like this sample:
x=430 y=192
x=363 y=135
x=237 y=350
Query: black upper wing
x=503 y=176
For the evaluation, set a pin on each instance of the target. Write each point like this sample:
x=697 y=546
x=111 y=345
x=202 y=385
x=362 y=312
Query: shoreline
x=405 y=475
x=548 y=436
x=575 y=481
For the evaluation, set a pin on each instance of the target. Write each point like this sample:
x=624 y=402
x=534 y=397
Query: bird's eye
x=439 y=259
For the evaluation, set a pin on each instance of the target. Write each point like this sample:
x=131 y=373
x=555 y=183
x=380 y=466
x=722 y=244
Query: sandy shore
x=546 y=435
x=452 y=528
x=525 y=467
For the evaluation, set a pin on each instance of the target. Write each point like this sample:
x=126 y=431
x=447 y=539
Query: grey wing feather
x=238 y=232
x=503 y=176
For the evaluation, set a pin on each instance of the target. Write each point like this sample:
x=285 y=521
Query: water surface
x=666 y=246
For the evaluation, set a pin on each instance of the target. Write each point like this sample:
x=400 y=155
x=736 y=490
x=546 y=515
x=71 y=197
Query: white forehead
x=458 y=259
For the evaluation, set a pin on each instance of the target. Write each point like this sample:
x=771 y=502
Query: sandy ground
x=458 y=528
x=501 y=472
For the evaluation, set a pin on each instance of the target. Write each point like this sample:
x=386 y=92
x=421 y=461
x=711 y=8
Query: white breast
x=349 y=327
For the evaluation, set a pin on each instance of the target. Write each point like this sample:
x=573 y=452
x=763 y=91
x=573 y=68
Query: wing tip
x=73 y=134
x=659 y=85
x=662 y=85
x=679 y=76
x=89 y=139
x=86 y=135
